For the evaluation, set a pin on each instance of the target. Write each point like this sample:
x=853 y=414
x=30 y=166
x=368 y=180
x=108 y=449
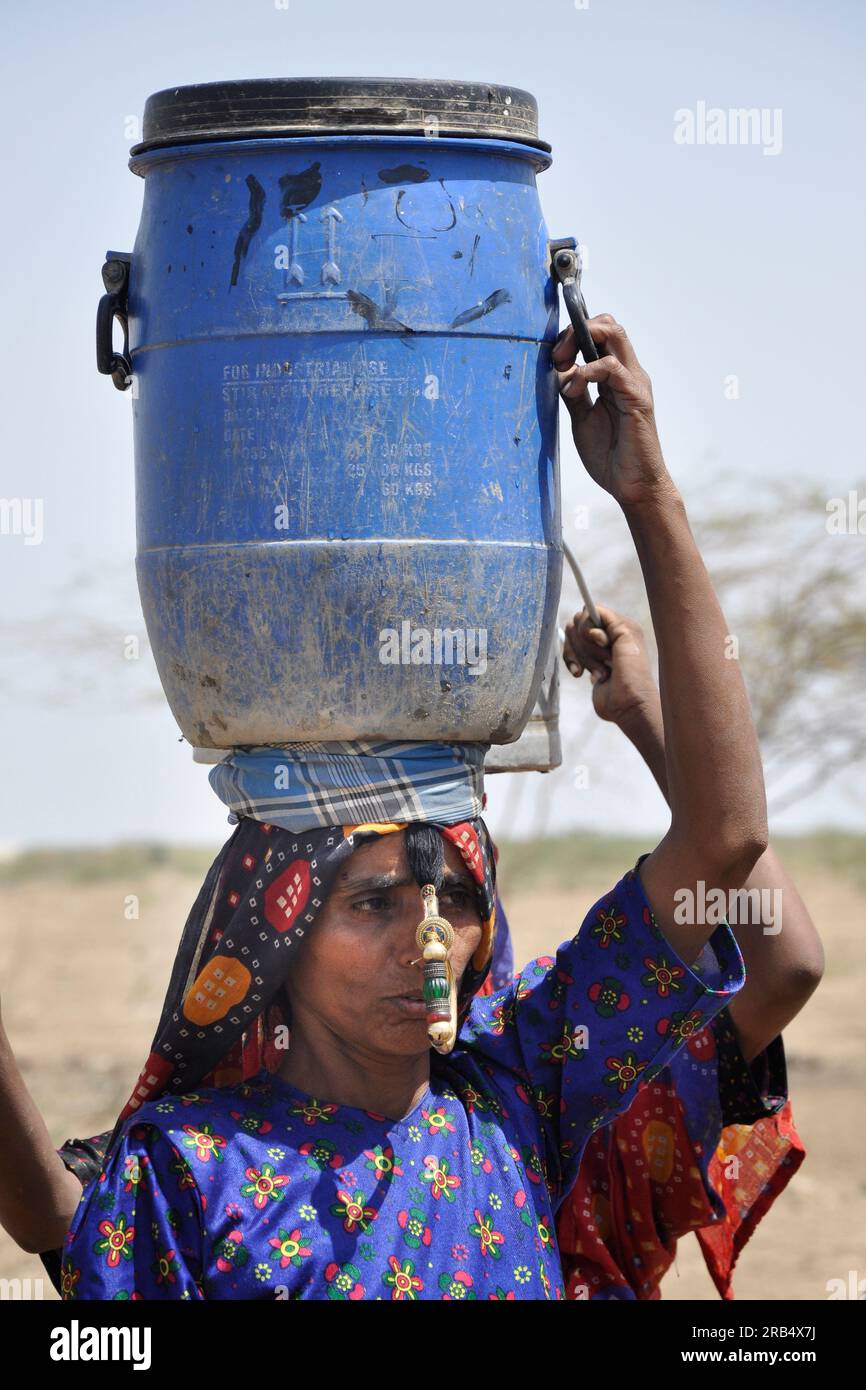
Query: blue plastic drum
x=340 y=311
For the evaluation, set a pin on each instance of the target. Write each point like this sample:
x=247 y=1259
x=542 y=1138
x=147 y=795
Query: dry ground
x=82 y=987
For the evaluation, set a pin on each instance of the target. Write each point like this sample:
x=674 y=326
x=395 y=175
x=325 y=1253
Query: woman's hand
x=616 y=434
x=618 y=663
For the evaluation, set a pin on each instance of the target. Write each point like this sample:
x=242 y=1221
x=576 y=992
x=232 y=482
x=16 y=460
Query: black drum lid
x=298 y=106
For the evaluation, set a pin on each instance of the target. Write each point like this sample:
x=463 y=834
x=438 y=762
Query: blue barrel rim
x=202 y=149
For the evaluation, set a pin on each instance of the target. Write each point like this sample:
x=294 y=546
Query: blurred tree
x=794 y=593
x=85 y=645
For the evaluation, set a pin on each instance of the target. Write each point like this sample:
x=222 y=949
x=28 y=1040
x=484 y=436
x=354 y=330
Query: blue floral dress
x=260 y=1191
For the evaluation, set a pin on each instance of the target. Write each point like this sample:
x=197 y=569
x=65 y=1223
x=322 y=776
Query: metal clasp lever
x=565 y=268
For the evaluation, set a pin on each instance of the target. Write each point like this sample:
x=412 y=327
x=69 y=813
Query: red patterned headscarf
x=263 y=893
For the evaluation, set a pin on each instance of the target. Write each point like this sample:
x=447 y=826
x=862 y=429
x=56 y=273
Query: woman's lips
x=411 y=1007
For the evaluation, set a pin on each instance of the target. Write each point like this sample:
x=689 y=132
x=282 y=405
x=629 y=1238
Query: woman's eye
x=460 y=898
x=371 y=905
x=456 y=899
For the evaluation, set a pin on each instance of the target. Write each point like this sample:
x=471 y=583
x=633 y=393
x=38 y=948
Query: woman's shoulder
x=208 y=1113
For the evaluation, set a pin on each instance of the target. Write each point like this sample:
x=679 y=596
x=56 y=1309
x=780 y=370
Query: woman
x=192 y=1199
x=617 y=1230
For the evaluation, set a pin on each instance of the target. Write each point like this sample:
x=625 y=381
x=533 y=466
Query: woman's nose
x=410 y=951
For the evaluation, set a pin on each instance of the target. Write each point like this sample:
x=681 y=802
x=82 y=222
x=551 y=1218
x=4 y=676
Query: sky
x=723 y=260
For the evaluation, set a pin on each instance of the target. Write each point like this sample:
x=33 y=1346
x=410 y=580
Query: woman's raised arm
x=715 y=781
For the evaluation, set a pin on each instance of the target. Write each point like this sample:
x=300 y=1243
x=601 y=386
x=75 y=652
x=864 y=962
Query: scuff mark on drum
x=478 y=311
x=404 y=173
x=299 y=190
x=474 y=249
x=373 y=316
x=503 y=728
x=250 y=227
x=453 y=222
x=399 y=214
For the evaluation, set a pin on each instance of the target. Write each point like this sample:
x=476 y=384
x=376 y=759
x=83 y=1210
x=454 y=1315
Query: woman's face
x=358 y=972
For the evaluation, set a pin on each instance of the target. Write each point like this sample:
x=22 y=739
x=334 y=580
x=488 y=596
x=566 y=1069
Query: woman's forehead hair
x=383 y=863
x=450 y=879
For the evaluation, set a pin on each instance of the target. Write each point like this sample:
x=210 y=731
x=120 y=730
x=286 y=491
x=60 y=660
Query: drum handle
x=113 y=305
